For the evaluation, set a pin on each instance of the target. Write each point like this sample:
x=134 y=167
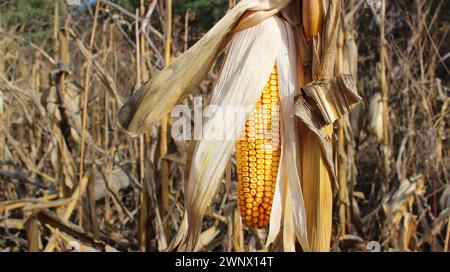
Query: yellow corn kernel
x=257 y=156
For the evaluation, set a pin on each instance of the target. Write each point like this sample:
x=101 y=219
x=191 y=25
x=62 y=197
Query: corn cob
x=258 y=155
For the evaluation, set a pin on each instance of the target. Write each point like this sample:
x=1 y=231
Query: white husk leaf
x=287 y=81
x=375 y=116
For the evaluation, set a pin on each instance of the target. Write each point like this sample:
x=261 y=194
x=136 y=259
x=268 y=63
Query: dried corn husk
x=312 y=16
x=376 y=116
x=241 y=84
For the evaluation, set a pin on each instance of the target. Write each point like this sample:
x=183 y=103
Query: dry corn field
x=343 y=144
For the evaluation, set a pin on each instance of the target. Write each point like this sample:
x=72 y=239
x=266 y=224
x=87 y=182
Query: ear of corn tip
x=257 y=155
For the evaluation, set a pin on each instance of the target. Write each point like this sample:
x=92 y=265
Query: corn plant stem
x=142 y=232
x=63 y=52
x=85 y=103
x=62 y=186
x=186 y=30
x=342 y=168
x=316 y=180
x=145 y=140
x=164 y=122
x=384 y=91
x=342 y=165
x=55 y=27
x=447 y=237
x=316 y=184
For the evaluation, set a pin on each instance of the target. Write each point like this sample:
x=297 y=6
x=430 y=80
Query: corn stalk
x=384 y=92
x=87 y=79
x=316 y=180
x=342 y=156
x=164 y=122
x=326 y=98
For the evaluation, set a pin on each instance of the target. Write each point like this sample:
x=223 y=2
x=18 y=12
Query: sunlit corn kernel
x=268 y=162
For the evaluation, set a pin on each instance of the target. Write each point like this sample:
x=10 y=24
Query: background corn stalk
x=41 y=128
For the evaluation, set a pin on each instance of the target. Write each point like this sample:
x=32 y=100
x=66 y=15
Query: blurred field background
x=71 y=179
